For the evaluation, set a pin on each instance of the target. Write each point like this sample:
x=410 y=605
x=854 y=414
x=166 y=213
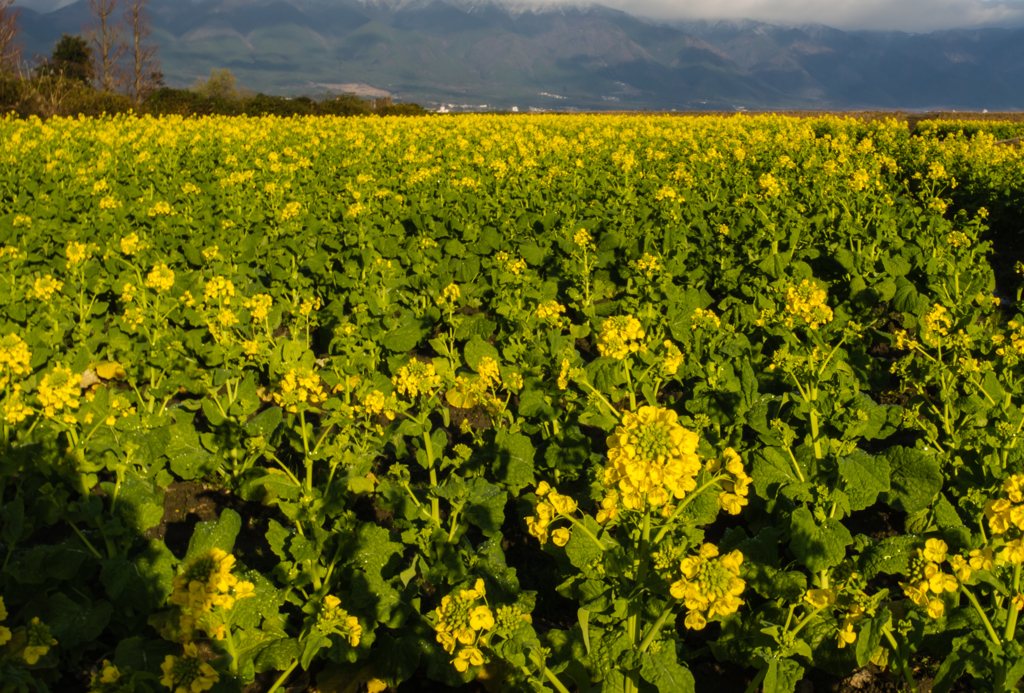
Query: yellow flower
x=936 y=608
x=298 y=387
x=819 y=599
x=161 y=208
x=15 y=358
x=45 y=287
x=335 y=620
x=481 y=618
x=620 y=336
x=160 y=278
x=259 y=306
x=710 y=585
x=467 y=657
x=560 y=536
x=652 y=457
x=416 y=378
x=982 y=559
x=805 y=303
x=39 y=641
x=188 y=673
x=961 y=568
x=673 y=358
x=59 y=390
x=449 y=296
x=76 y=252
x=550 y=312
x=935 y=550
x=131 y=244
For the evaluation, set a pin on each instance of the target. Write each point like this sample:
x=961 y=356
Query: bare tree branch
x=144 y=75
x=105 y=35
x=10 y=51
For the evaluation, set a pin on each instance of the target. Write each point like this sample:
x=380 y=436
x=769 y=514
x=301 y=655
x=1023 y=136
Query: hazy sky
x=904 y=15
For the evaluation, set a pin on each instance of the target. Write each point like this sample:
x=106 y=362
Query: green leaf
x=915 y=477
x=866 y=476
x=513 y=464
x=407 y=335
x=782 y=676
x=265 y=423
x=476 y=349
x=772 y=470
x=890 y=555
x=48 y=564
x=486 y=506
x=818 y=546
x=214 y=535
x=584 y=617
x=76 y=621
x=279 y=655
x=188 y=458
x=581 y=549
x=662 y=670
x=277 y=535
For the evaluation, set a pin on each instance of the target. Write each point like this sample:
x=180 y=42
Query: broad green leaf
x=662 y=670
x=214 y=535
x=513 y=464
x=915 y=478
x=477 y=349
x=866 y=476
x=782 y=676
x=818 y=546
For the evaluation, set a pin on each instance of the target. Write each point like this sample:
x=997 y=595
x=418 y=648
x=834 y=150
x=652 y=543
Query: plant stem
x=984 y=618
x=757 y=679
x=577 y=523
x=1011 y=619
x=435 y=502
x=283 y=677
x=655 y=628
x=903 y=664
x=305 y=448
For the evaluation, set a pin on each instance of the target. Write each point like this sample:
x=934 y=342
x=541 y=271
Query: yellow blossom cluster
x=15 y=358
x=376 y=403
x=298 y=387
x=44 y=287
x=620 y=336
x=76 y=253
x=108 y=679
x=259 y=306
x=218 y=290
x=462 y=622
x=937 y=324
x=506 y=262
x=706 y=320
x=160 y=278
x=59 y=391
x=188 y=673
x=5 y=633
x=926 y=581
x=583 y=239
x=551 y=312
x=710 y=585
x=651 y=458
x=555 y=506
x=648 y=265
x=416 y=378
x=207 y=583
x=14 y=409
x=566 y=373
x=673 y=358
x=1004 y=513
x=161 y=208
x=735 y=488
x=333 y=620
x=39 y=641
x=450 y=296
x=131 y=244
x=805 y=303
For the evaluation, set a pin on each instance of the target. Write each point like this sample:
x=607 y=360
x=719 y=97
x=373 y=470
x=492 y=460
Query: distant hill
x=584 y=57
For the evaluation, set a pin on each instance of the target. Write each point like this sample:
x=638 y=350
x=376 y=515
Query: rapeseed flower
x=5 y=633
x=735 y=488
x=15 y=358
x=805 y=303
x=550 y=312
x=59 y=390
x=160 y=278
x=651 y=458
x=710 y=585
x=620 y=336
x=416 y=378
x=1004 y=513
x=259 y=306
x=555 y=506
x=450 y=296
x=206 y=584
x=44 y=287
x=333 y=620
x=14 y=409
x=937 y=324
x=298 y=387
x=188 y=673
x=39 y=641
x=926 y=581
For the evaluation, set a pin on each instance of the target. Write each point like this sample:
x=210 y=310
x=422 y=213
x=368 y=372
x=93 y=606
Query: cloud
x=902 y=15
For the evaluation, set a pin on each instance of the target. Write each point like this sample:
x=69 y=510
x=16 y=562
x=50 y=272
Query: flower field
x=562 y=403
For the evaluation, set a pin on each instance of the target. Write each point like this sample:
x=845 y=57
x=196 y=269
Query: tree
x=71 y=60
x=105 y=36
x=10 y=51
x=220 y=85
x=144 y=75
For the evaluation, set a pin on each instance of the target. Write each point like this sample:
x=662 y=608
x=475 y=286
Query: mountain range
x=497 y=55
